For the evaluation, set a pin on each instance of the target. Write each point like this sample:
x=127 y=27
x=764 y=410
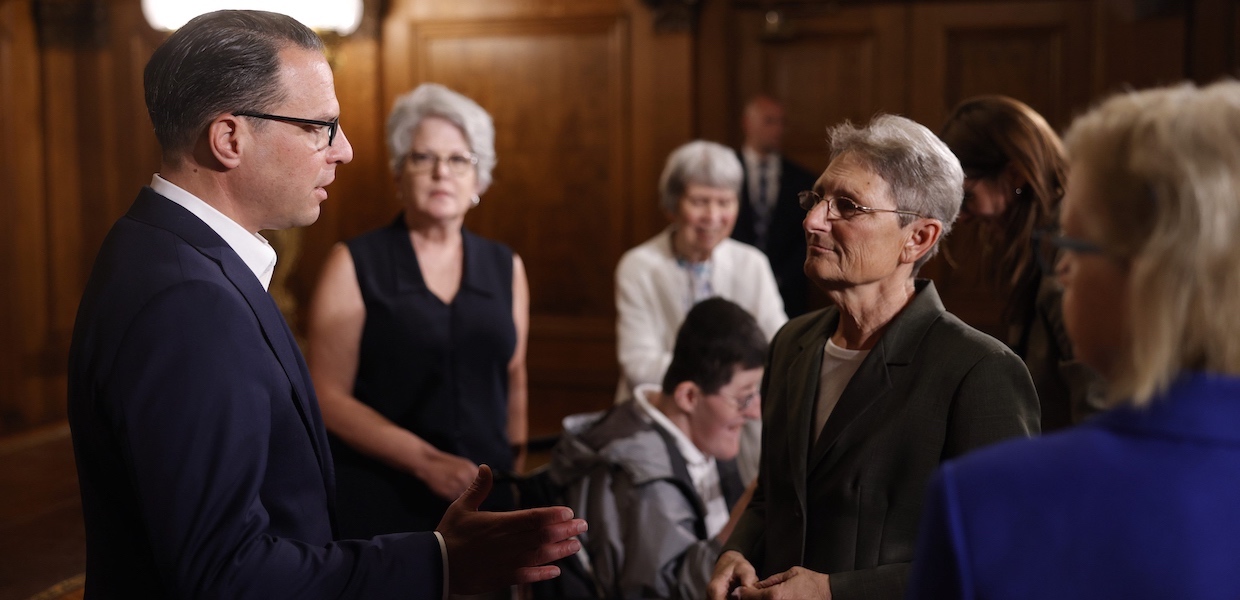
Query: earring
x=476 y=200
x=1020 y=190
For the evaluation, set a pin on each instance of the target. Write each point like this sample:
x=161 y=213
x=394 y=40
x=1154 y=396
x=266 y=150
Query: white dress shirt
x=255 y=251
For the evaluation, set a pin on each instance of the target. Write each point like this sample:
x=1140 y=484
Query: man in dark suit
x=863 y=399
x=769 y=216
x=203 y=462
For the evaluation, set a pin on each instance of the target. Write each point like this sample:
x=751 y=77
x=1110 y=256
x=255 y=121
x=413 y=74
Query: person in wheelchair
x=656 y=478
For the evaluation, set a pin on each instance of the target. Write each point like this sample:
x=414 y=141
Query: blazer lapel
x=159 y=211
x=872 y=384
x=802 y=378
x=866 y=388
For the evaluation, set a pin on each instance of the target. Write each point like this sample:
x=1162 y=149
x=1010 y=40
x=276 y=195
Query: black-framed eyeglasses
x=843 y=207
x=458 y=164
x=332 y=126
x=1050 y=243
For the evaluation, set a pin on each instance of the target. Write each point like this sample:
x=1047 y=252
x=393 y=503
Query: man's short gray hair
x=923 y=174
x=698 y=162
x=434 y=100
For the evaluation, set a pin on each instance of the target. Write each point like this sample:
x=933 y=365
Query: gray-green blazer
x=931 y=389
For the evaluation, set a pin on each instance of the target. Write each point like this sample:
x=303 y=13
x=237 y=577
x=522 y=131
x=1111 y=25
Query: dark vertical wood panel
x=23 y=257
x=826 y=67
x=1214 y=31
x=1038 y=52
x=663 y=107
x=555 y=93
x=1137 y=53
x=717 y=107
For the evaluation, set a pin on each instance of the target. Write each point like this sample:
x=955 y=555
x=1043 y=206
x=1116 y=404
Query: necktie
x=761 y=206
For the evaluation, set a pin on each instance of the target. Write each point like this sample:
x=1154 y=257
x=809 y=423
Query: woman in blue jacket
x=1140 y=501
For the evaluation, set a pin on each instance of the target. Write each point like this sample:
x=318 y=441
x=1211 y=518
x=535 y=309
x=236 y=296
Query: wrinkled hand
x=732 y=571
x=797 y=583
x=448 y=475
x=490 y=550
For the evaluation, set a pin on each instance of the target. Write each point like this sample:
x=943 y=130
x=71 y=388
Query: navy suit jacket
x=203 y=461
x=1134 y=503
x=784 y=243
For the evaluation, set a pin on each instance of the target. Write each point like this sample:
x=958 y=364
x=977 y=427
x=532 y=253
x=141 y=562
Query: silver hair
x=698 y=162
x=434 y=100
x=923 y=174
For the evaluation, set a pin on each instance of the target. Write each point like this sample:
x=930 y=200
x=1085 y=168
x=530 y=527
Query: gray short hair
x=698 y=162
x=1166 y=167
x=434 y=100
x=923 y=174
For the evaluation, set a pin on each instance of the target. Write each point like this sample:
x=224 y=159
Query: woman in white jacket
x=693 y=259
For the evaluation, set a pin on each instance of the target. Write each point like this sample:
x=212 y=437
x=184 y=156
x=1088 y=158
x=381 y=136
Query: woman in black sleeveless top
x=417 y=332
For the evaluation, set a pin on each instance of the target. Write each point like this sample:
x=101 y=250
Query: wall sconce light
x=338 y=17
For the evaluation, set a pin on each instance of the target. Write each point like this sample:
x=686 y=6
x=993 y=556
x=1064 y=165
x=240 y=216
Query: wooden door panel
x=1037 y=52
x=825 y=68
x=554 y=90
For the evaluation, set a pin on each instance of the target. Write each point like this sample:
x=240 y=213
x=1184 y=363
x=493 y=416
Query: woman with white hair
x=692 y=260
x=1139 y=501
x=417 y=331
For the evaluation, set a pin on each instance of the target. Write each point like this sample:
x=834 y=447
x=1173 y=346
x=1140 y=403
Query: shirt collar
x=688 y=450
x=753 y=159
x=254 y=250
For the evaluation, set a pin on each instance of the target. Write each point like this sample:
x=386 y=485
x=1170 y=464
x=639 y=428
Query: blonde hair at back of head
x=1166 y=167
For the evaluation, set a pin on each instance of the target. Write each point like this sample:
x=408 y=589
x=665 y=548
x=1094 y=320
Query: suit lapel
x=866 y=388
x=159 y=211
x=871 y=386
x=802 y=378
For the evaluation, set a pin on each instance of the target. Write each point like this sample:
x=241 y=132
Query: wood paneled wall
x=588 y=98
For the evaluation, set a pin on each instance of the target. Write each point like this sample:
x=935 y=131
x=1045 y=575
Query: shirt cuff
x=443 y=552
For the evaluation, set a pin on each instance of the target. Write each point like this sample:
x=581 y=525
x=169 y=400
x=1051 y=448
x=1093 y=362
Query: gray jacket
x=624 y=475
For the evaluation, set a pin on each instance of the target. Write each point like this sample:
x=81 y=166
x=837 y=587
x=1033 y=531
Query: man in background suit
x=862 y=400
x=769 y=217
x=203 y=462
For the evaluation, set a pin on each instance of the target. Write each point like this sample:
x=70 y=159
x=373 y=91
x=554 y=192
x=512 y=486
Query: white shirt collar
x=688 y=450
x=254 y=250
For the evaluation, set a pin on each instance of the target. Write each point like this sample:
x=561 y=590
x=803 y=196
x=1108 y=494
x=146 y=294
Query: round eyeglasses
x=843 y=207
x=426 y=162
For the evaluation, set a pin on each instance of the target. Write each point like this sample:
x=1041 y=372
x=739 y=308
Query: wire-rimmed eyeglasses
x=332 y=126
x=742 y=403
x=843 y=207
x=1050 y=243
x=458 y=164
